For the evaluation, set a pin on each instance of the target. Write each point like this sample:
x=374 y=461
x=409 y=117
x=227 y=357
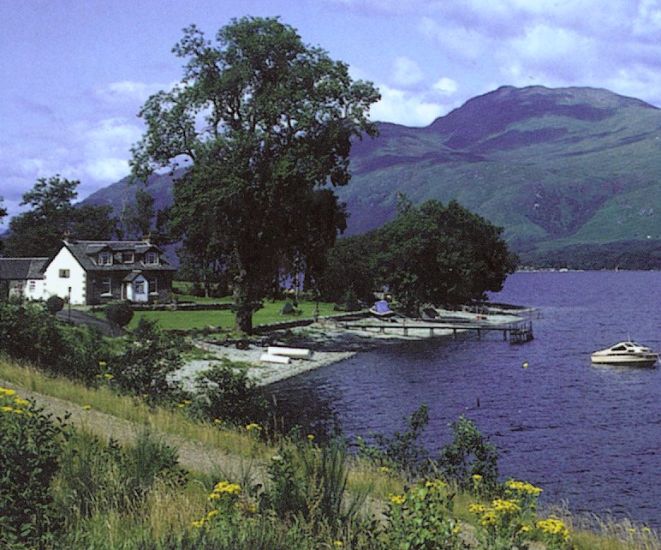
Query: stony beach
x=329 y=341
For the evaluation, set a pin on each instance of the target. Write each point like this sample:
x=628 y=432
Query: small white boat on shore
x=626 y=354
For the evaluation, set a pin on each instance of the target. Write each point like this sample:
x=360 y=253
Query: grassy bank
x=168 y=515
x=224 y=319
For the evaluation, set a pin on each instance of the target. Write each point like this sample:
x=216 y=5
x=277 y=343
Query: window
x=153 y=286
x=33 y=286
x=139 y=287
x=106 y=286
x=104 y=258
x=151 y=258
x=64 y=273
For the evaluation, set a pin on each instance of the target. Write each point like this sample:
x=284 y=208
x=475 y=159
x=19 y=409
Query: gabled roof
x=86 y=253
x=14 y=269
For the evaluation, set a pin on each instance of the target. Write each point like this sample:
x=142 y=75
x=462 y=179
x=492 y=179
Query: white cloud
x=445 y=86
x=107 y=169
x=403 y=107
x=406 y=72
x=129 y=91
x=106 y=147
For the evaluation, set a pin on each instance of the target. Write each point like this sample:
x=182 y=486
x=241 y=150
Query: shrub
x=402 y=449
x=28 y=332
x=54 y=304
x=119 y=313
x=30 y=446
x=227 y=394
x=421 y=519
x=310 y=482
x=96 y=477
x=142 y=368
x=470 y=456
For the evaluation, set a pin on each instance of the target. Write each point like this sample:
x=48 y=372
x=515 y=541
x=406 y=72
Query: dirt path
x=193 y=456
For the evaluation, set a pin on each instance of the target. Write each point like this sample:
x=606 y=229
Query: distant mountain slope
x=554 y=167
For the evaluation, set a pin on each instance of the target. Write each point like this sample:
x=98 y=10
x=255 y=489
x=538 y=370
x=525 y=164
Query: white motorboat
x=626 y=354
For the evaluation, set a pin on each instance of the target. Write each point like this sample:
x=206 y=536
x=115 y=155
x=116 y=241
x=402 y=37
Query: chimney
x=147 y=238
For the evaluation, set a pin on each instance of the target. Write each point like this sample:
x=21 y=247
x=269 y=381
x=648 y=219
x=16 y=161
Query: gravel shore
x=328 y=340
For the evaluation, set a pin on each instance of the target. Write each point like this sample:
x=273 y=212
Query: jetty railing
x=517 y=332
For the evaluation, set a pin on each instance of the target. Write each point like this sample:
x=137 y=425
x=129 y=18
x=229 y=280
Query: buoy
x=525 y=364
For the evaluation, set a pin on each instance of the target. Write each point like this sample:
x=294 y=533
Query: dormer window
x=128 y=257
x=104 y=258
x=151 y=258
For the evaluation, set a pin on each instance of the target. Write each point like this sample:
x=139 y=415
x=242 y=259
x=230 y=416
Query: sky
x=74 y=73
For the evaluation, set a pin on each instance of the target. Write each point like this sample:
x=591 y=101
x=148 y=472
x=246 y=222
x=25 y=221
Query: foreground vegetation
x=65 y=484
x=289 y=491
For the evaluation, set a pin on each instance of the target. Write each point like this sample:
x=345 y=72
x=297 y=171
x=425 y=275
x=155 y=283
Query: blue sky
x=74 y=73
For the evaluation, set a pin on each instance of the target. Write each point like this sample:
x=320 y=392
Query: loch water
x=590 y=436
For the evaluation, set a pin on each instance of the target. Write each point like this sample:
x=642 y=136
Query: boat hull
x=642 y=360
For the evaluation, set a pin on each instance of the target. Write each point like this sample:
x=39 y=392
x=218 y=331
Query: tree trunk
x=243 y=305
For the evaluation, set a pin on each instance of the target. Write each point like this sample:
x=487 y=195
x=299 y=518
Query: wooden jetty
x=517 y=332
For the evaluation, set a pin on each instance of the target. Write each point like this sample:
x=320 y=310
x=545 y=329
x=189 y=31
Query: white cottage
x=22 y=277
x=92 y=272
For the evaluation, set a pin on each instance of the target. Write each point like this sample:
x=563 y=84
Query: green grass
x=170 y=509
x=224 y=319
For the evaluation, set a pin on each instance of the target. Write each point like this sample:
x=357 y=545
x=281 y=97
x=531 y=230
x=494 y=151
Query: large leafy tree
x=441 y=254
x=265 y=123
x=52 y=214
x=137 y=216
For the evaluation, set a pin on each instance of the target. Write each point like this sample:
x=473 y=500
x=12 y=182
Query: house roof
x=13 y=269
x=86 y=252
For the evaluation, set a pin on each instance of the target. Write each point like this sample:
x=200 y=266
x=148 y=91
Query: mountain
x=557 y=168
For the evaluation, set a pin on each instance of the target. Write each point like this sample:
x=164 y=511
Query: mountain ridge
x=556 y=167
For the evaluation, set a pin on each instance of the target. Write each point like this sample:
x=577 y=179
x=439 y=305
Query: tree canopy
x=137 y=216
x=265 y=123
x=40 y=230
x=432 y=253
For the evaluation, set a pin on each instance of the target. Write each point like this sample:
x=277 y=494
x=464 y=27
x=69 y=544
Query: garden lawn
x=187 y=320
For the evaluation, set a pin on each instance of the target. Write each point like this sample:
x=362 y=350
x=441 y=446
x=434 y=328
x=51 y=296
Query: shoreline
x=328 y=340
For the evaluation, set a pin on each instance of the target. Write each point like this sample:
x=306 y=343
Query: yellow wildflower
x=436 y=484
x=108 y=376
x=212 y=514
x=87 y=407
x=525 y=528
x=310 y=437
x=384 y=469
x=198 y=523
x=217 y=421
x=505 y=506
x=224 y=488
x=477 y=508
x=21 y=402
x=338 y=543
x=253 y=427
x=456 y=529
x=489 y=518
x=553 y=526
x=522 y=487
x=6 y=409
x=102 y=364
x=397 y=500
x=476 y=478
x=7 y=392
x=17 y=411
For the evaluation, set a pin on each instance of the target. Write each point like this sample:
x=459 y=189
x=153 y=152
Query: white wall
x=56 y=285
x=39 y=291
